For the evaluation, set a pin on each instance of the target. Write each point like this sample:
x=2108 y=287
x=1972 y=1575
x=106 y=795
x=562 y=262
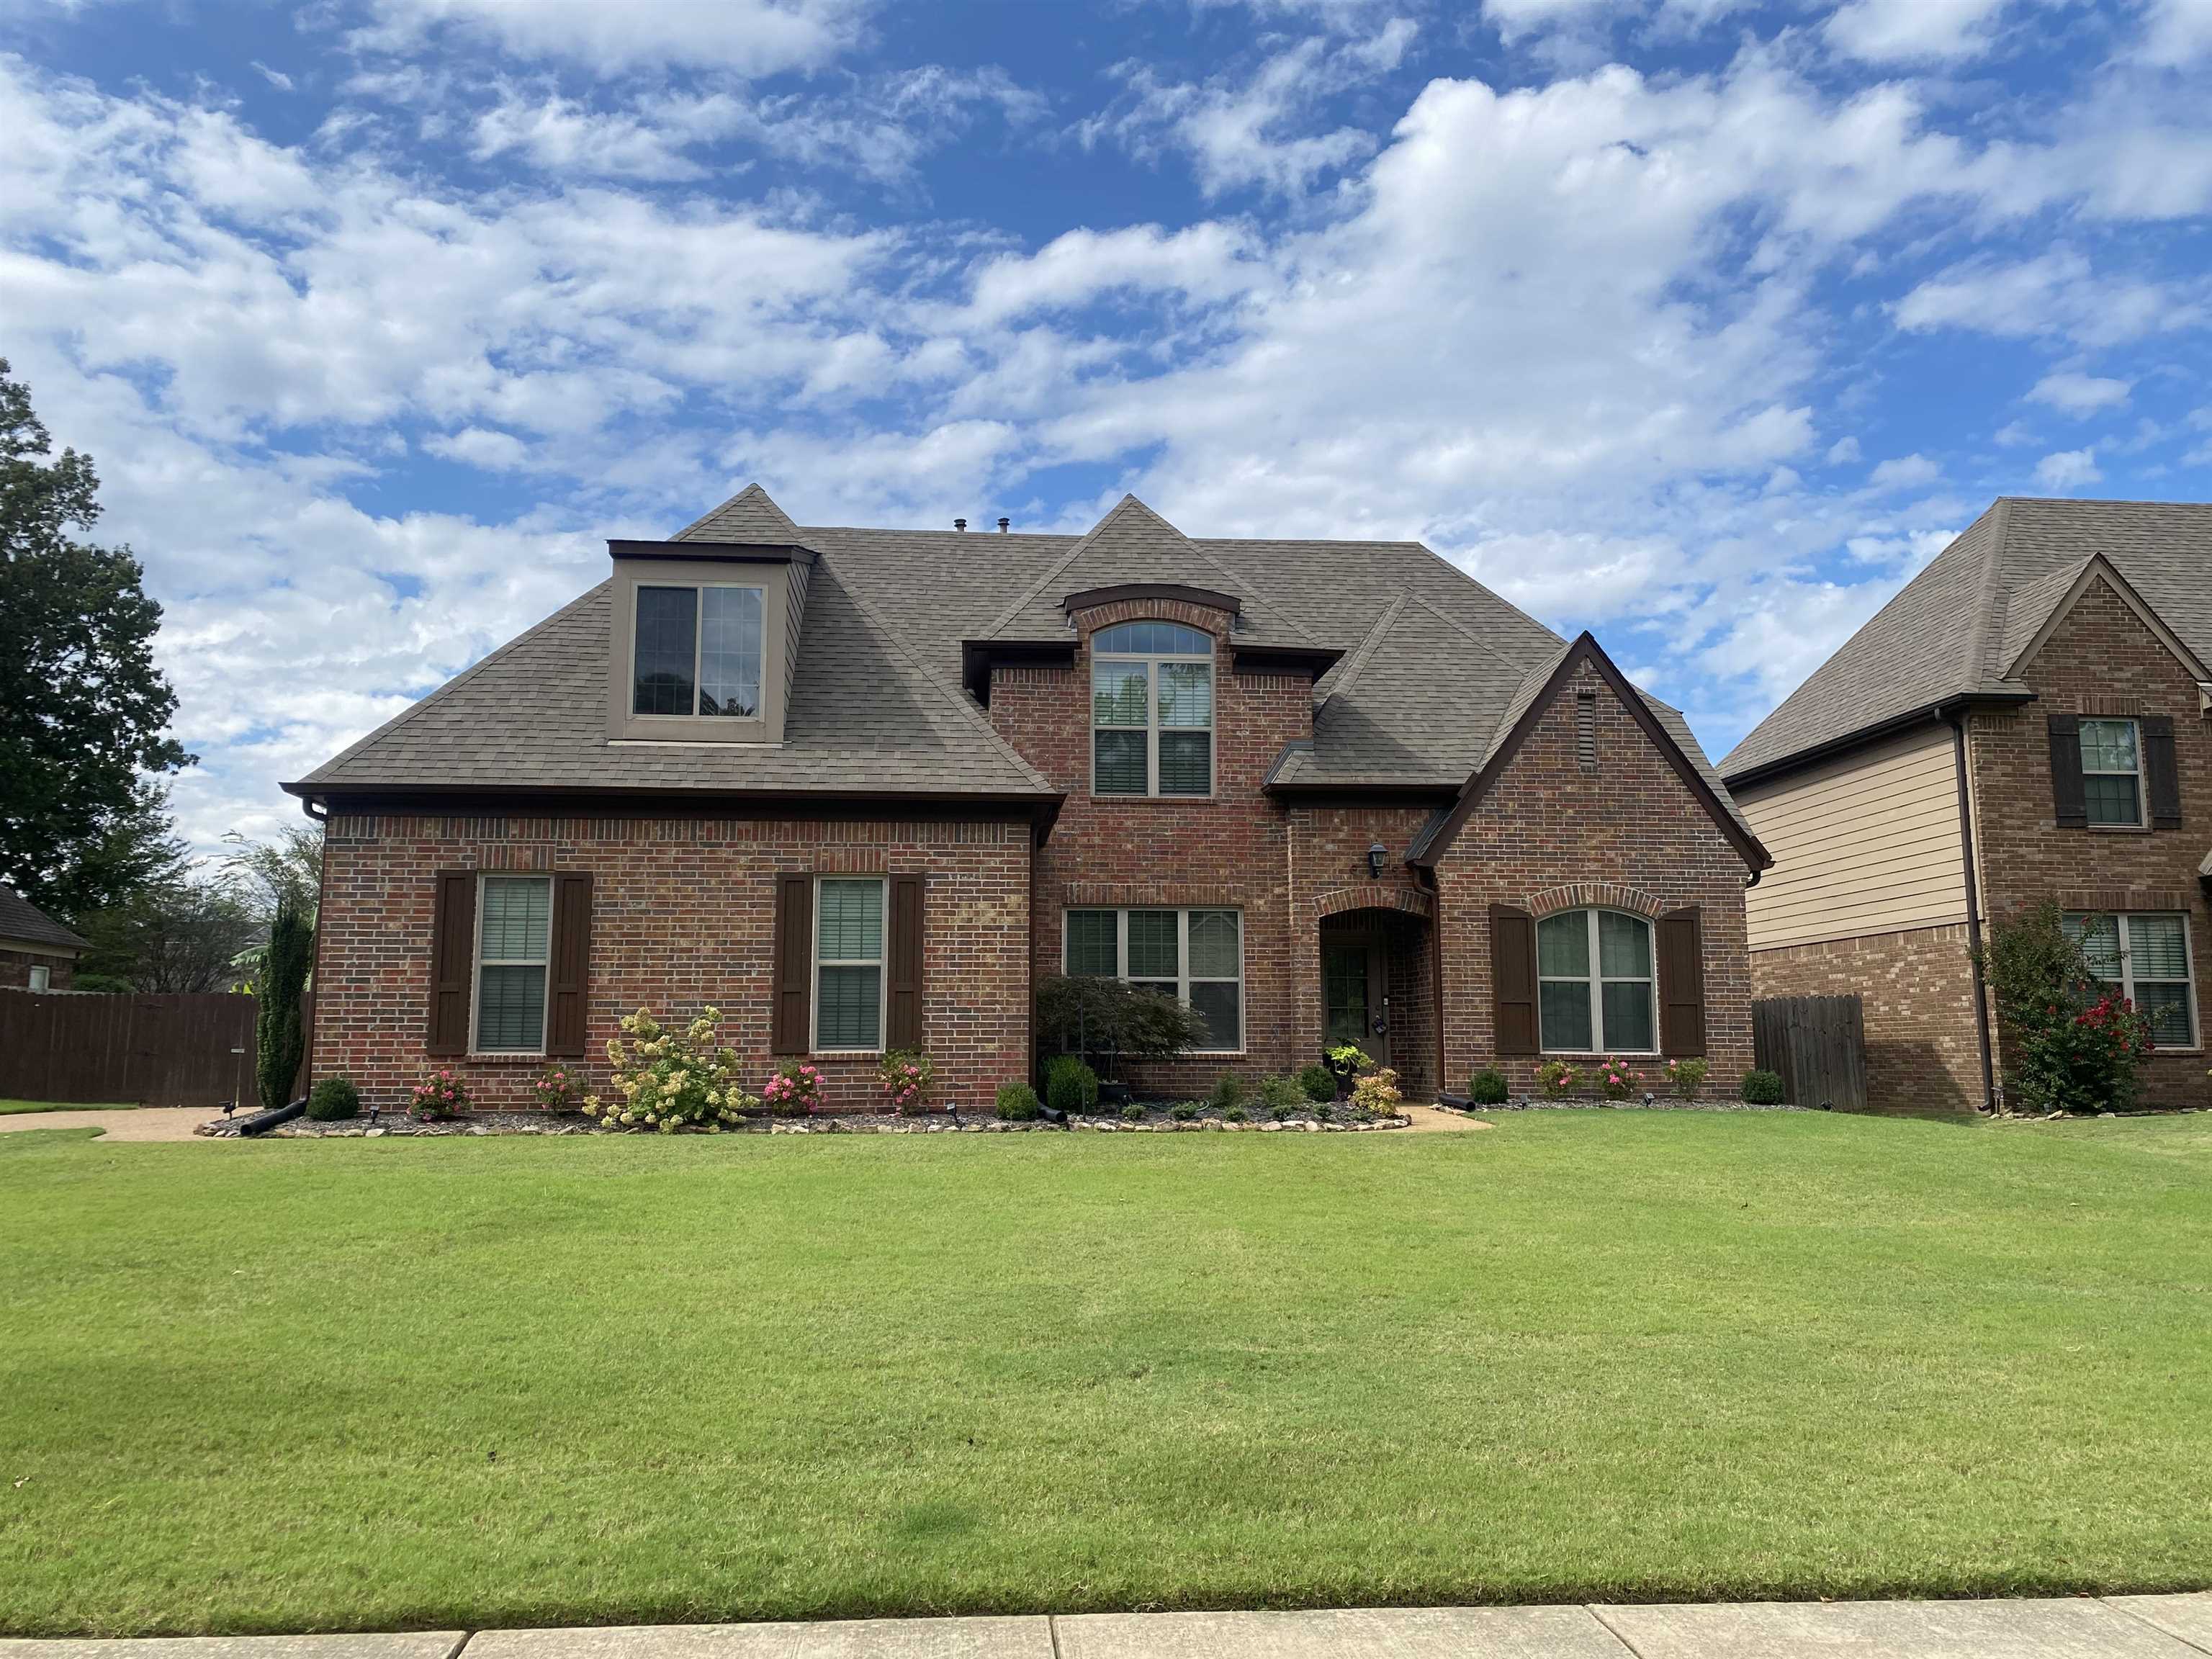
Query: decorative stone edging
x=870 y=1123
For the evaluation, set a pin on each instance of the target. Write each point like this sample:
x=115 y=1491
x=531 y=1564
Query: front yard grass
x=1617 y=1356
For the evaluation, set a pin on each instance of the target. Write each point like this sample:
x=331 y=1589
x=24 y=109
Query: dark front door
x=1351 y=998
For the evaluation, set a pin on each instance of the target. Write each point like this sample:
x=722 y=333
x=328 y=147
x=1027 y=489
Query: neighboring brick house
x=860 y=787
x=2026 y=722
x=37 y=953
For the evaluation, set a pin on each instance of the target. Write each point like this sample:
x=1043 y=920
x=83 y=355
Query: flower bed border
x=828 y=1123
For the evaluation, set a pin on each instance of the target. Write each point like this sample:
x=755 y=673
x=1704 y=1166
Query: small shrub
x=1133 y=1113
x=1376 y=1095
x=1762 y=1088
x=794 y=1090
x=1617 y=1079
x=904 y=1076
x=1281 y=1114
x=1070 y=1085
x=1557 y=1077
x=1685 y=1077
x=439 y=1096
x=672 y=1079
x=1324 y=1111
x=332 y=1099
x=554 y=1089
x=1228 y=1091
x=1184 y=1111
x=1487 y=1087
x=1285 y=1091
x=1234 y=1115
x=1318 y=1082
x=1018 y=1103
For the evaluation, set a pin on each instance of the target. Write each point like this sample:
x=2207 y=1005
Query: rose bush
x=555 y=1089
x=1617 y=1079
x=672 y=1080
x=439 y=1096
x=905 y=1076
x=795 y=1091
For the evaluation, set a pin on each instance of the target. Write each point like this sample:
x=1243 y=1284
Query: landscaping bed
x=1158 y=1117
x=1648 y=1103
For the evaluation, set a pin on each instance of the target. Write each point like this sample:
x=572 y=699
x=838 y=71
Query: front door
x=1351 y=998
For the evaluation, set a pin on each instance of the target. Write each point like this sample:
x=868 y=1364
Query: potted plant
x=1345 y=1061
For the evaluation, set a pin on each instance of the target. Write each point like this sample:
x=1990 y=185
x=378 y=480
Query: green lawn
x=10 y=1106
x=466 y=1382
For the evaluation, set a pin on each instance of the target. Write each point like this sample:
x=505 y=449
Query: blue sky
x=1702 y=323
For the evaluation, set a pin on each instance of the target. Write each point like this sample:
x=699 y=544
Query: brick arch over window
x=1375 y=896
x=1159 y=604
x=1595 y=894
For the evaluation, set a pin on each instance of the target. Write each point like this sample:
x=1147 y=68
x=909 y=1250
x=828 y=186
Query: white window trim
x=1597 y=980
x=2138 y=772
x=475 y=974
x=41 y=978
x=2127 y=980
x=1152 y=728
x=1183 y=978
x=879 y=961
x=698 y=649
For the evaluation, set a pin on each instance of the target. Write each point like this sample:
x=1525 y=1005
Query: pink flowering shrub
x=795 y=1091
x=555 y=1089
x=439 y=1096
x=1557 y=1079
x=1617 y=1079
x=672 y=1080
x=905 y=1077
x=1685 y=1077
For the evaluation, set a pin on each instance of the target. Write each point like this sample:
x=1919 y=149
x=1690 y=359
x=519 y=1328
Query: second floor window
x=1151 y=710
x=2111 y=772
x=697 y=652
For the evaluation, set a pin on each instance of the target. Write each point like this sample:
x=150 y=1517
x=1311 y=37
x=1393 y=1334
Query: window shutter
x=569 y=1006
x=1682 y=983
x=1513 y=979
x=902 y=1015
x=2068 y=798
x=794 y=963
x=2164 y=768
x=452 y=961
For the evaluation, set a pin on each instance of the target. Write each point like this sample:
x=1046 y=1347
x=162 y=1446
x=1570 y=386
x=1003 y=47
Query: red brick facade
x=682 y=907
x=683 y=916
x=16 y=962
x=1626 y=835
x=1916 y=994
x=2101 y=659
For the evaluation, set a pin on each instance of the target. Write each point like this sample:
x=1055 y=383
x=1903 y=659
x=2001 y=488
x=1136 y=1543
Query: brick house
x=2024 y=722
x=37 y=953
x=858 y=787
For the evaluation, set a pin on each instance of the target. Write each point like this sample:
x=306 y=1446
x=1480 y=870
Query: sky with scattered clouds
x=1701 y=322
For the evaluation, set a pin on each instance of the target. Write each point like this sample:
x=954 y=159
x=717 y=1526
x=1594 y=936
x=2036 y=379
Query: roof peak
x=750 y=515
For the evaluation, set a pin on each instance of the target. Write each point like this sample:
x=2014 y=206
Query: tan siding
x=1867 y=844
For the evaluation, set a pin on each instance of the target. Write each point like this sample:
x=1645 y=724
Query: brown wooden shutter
x=902 y=1015
x=2164 y=768
x=1682 y=983
x=2067 y=799
x=1513 y=979
x=794 y=964
x=452 y=961
x=569 y=1006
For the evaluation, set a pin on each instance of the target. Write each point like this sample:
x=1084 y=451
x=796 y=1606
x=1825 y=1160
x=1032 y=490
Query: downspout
x=1957 y=719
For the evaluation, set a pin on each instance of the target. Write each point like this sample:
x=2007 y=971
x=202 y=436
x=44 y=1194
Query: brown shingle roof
x=1957 y=627
x=20 y=918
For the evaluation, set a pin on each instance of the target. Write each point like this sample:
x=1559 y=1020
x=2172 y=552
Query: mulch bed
x=1156 y=1119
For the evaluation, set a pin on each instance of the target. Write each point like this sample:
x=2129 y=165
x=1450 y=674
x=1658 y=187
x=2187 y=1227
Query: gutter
x=1955 y=718
x=1921 y=715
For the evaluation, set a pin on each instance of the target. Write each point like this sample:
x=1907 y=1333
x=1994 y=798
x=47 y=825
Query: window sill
x=846 y=1053
x=507 y=1057
x=1158 y=800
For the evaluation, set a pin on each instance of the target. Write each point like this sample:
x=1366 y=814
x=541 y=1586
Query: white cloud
x=479 y=447
x=1515 y=19
x=748 y=37
x=2176 y=33
x=1205 y=262
x=1905 y=472
x=2078 y=394
x=1843 y=452
x=1902 y=31
x=2057 y=294
x=2068 y=469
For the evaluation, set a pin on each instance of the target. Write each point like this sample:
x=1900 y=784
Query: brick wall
x=682 y=917
x=16 y=967
x=1916 y=994
x=1630 y=836
x=2100 y=660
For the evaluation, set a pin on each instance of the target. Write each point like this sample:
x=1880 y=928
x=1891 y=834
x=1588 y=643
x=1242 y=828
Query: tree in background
x=288 y=868
x=180 y=932
x=82 y=707
x=277 y=1034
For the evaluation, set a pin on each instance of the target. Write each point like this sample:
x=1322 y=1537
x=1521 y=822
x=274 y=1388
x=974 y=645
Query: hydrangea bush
x=671 y=1080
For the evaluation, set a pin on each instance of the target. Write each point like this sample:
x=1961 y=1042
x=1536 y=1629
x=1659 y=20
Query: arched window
x=1151 y=710
x=1595 y=983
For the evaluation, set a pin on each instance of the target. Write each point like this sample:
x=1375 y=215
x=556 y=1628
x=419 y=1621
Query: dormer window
x=697 y=651
x=1151 y=721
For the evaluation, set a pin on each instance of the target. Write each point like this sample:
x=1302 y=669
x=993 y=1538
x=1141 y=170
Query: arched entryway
x=1376 y=971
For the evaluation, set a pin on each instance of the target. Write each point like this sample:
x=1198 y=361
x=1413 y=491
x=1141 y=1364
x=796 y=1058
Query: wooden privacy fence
x=1819 y=1045
x=154 y=1050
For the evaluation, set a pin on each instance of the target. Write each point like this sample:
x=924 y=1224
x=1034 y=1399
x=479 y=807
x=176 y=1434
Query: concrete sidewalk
x=2114 y=1627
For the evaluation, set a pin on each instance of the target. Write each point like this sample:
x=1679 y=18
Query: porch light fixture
x=1375 y=854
